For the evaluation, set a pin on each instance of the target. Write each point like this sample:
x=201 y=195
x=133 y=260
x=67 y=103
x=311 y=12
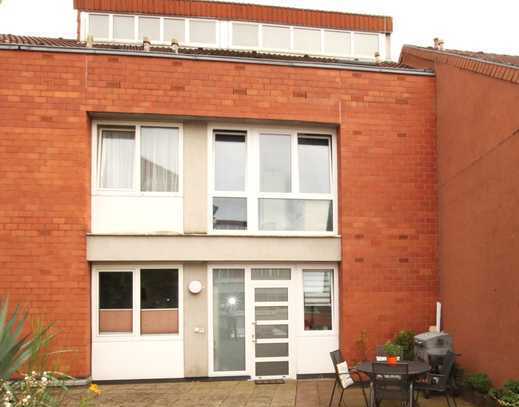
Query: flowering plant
x=33 y=390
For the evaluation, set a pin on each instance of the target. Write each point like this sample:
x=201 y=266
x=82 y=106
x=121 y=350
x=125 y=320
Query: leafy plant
x=17 y=348
x=405 y=339
x=392 y=349
x=480 y=382
x=508 y=396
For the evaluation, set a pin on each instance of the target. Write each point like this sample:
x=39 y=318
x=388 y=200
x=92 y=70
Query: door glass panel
x=271 y=350
x=270 y=274
x=271 y=313
x=271 y=368
x=271 y=294
x=271 y=331
x=229 y=319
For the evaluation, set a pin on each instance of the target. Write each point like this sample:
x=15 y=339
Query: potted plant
x=392 y=351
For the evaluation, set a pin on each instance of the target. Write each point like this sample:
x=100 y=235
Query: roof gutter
x=217 y=58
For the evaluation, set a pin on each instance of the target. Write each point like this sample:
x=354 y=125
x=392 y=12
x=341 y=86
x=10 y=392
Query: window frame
x=135 y=335
x=258 y=37
x=252 y=177
x=99 y=125
x=333 y=299
x=202 y=44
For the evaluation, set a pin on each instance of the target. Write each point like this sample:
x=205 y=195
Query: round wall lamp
x=195 y=287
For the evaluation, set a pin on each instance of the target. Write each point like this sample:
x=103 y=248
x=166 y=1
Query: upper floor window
x=196 y=32
x=138 y=158
x=272 y=181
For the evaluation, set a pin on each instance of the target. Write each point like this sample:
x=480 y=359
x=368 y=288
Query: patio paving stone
x=301 y=393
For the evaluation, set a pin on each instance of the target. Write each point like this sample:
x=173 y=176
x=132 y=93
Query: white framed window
x=337 y=42
x=174 y=28
x=245 y=35
x=137 y=301
x=123 y=27
x=318 y=290
x=365 y=44
x=137 y=158
x=276 y=37
x=149 y=27
x=203 y=32
x=272 y=181
x=307 y=40
x=99 y=26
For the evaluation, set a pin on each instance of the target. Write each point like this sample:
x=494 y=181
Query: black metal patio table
x=416 y=369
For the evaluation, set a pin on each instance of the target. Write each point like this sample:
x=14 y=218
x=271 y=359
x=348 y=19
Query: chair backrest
x=336 y=359
x=390 y=381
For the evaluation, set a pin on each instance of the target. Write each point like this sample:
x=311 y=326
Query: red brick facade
x=388 y=209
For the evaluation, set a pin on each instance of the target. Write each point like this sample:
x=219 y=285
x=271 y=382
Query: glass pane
x=271 y=331
x=275 y=163
x=271 y=313
x=117 y=159
x=203 y=32
x=318 y=318
x=124 y=28
x=307 y=40
x=230 y=213
x=337 y=43
x=159 y=159
x=366 y=44
x=271 y=350
x=98 y=25
x=245 y=35
x=318 y=285
x=271 y=368
x=230 y=158
x=159 y=288
x=270 y=274
x=229 y=319
x=116 y=290
x=314 y=164
x=174 y=29
x=295 y=215
x=149 y=27
x=276 y=37
x=271 y=294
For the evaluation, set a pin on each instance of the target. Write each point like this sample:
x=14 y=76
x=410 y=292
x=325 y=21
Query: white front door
x=269 y=312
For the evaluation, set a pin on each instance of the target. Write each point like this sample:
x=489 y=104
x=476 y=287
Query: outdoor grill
x=431 y=347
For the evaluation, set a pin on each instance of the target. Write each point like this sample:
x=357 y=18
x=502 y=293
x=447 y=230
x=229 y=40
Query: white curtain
x=159 y=159
x=117 y=156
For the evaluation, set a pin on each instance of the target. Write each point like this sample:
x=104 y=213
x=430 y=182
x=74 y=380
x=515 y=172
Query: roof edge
x=493 y=69
x=218 y=58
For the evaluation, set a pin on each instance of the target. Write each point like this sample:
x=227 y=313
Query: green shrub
x=480 y=382
x=508 y=396
x=512 y=386
x=405 y=339
x=392 y=349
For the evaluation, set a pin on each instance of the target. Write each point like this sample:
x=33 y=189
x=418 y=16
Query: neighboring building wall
x=478 y=139
x=387 y=190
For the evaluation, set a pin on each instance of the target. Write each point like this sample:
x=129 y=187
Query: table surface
x=415 y=367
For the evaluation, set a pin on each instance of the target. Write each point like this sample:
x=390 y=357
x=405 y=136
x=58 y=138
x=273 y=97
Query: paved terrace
x=301 y=393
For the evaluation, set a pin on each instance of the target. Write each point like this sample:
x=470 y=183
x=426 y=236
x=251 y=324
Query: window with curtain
x=318 y=288
x=156 y=170
x=159 y=159
x=117 y=158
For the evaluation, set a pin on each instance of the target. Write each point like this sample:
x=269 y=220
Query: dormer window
x=198 y=32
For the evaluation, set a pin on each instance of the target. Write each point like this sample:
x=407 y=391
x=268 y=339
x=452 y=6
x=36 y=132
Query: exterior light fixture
x=195 y=287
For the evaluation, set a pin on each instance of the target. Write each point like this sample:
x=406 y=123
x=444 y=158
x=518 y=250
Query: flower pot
x=392 y=360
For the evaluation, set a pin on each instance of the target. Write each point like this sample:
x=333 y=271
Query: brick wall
x=387 y=169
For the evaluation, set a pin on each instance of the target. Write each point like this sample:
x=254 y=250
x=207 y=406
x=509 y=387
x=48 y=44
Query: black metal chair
x=343 y=377
x=391 y=382
x=442 y=382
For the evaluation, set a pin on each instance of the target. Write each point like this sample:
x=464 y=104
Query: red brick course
x=387 y=182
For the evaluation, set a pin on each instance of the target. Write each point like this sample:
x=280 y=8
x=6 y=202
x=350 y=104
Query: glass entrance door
x=271 y=331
